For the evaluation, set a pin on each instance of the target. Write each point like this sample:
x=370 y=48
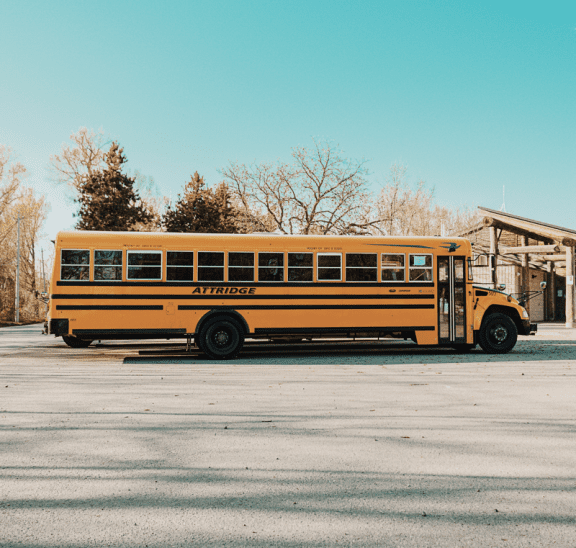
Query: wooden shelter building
x=521 y=253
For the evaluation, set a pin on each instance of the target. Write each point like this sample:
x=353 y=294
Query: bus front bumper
x=529 y=328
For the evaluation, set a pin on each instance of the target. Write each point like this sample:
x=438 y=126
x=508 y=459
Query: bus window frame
x=224 y=267
x=392 y=268
x=160 y=251
x=323 y=280
x=89 y=265
x=283 y=267
x=193 y=267
x=288 y=266
x=94 y=265
x=431 y=268
x=346 y=267
x=228 y=267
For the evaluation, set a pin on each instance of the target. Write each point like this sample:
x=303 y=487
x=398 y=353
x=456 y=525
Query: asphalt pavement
x=363 y=445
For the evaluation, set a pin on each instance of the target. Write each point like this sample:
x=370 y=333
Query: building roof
x=529 y=227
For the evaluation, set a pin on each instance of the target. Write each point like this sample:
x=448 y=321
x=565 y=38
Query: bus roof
x=89 y=238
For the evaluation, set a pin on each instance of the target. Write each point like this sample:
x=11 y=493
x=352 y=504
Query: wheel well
x=223 y=312
x=512 y=313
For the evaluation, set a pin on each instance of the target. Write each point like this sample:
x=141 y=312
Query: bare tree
x=319 y=192
x=18 y=202
x=458 y=221
x=249 y=220
x=402 y=208
x=83 y=157
x=11 y=175
x=152 y=200
x=408 y=210
x=32 y=212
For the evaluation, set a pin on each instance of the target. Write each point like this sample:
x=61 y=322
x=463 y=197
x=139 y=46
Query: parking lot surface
x=362 y=445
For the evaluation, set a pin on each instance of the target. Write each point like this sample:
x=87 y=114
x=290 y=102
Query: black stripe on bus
x=221 y=296
x=371 y=329
x=129 y=333
x=310 y=307
x=412 y=285
x=109 y=307
x=181 y=333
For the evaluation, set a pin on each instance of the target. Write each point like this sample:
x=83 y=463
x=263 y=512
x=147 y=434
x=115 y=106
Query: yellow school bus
x=219 y=289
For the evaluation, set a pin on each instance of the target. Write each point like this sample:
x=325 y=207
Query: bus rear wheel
x=221 y=338
x=75 y=342
x=498 y=334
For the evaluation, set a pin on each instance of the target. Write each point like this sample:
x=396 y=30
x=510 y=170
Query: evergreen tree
x=200 y=209
x=108 y=199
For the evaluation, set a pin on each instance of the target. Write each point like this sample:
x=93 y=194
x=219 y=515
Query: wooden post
x=570 y=287
x=551 y=292
x=494 y=256
x=525 y=274
x=531 y=249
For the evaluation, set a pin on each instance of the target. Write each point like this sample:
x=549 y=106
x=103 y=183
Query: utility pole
x=17 y=303
x=43 y=276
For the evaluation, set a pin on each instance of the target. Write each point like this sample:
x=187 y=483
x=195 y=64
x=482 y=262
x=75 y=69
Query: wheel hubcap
x=499 y=333
x=221 y=338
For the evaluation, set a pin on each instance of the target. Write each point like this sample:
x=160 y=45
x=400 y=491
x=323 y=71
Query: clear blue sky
x=471 y=96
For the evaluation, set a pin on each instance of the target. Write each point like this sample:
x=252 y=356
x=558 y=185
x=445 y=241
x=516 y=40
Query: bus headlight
x=525 y=314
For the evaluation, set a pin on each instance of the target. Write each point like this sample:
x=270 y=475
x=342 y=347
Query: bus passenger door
x=451 y=300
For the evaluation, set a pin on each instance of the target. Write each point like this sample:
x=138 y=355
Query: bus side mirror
x=542 y=285
x=501 y=287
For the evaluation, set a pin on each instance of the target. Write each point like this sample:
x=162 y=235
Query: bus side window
x=210 y=266
x=75 y=264
x=108 y=265
x=180 y=266
x=393 y=267
x=329 y=267
x=420 y=268
x=240 y=266
x=270 y=267
x=361 y=267
x=144 y=265
x=300 y=267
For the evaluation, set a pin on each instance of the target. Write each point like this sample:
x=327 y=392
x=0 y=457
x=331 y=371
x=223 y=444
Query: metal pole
x=43 y=276
x=17 y=303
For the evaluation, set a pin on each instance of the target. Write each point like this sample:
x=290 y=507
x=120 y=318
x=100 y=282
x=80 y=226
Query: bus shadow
x=376 y=353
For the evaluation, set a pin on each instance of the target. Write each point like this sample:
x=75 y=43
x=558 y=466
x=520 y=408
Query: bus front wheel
x=498 y=334
x=221 y=338
x=75 y=342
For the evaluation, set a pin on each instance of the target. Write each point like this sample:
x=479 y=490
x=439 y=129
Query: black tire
x=221 y=338
x=75 y=342
x=498 y=334
x=463 y=348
